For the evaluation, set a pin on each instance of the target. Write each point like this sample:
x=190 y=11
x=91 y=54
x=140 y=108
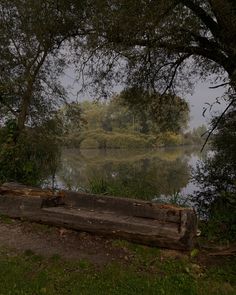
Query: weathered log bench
x=134 y=220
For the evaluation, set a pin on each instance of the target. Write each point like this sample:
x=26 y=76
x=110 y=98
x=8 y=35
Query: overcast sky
x=202 y=95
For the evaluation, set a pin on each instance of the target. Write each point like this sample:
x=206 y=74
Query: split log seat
x=134 y=220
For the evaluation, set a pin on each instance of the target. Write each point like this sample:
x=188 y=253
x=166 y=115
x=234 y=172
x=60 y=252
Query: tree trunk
x=26 y=99
x=24 y=108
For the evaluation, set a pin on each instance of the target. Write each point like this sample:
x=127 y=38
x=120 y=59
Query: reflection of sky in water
x=146 y=173
x=190 y=187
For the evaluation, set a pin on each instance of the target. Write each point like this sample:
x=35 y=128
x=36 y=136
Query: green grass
x=5 y=219
x=30 y=274
x=133 y=188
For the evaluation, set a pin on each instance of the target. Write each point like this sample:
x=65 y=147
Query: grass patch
x=55 y=258
x=129 y=188
x=24 y=274
x=42 y=228
x=5 y=219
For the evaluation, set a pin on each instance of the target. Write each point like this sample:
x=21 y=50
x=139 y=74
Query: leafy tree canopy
x=161 y=45
x=168 y=112
x=32 y=39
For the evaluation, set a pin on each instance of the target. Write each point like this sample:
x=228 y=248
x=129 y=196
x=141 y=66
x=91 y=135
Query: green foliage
x=5 y=219
x=70 y=117
x=31 y=35
x=112 y=140
x=166 y=112
x=140 y=189
x=115 y=124
x=135 y=110
x=216 y=179
x=143 y=174
x=30 y=159
x=170 y=139
x=194 y=253
x=160 y=46
x=176 y=198
x=99 y=186
x=221 y=225
x=121 y=139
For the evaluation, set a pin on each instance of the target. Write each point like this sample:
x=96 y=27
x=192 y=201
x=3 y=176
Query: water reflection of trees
x=142 y=174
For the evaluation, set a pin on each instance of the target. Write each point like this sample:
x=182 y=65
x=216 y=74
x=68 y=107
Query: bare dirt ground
x=47 y=241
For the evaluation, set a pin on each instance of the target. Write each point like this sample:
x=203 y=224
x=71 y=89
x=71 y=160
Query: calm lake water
x=144 y=174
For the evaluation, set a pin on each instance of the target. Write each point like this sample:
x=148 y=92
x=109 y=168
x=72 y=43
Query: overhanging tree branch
x=203 y=16
x=175 y=67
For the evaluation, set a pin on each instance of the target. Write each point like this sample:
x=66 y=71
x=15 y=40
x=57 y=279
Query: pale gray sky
x=202 y=95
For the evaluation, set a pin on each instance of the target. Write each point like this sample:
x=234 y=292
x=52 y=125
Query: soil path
x=47 y=241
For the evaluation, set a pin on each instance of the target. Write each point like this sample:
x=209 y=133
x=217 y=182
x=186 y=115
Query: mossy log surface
x=138 y=221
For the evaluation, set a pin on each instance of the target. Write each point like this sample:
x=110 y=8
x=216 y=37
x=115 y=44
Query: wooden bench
x=134 y=220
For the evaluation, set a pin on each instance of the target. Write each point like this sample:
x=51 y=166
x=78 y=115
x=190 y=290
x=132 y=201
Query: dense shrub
x=115 y=140
x=121 y=140
x=30 y=159
x=171 y=139
x=216 y=178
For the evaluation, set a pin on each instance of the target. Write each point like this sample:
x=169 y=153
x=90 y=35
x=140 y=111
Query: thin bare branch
x=217 y=122
x=220 y=85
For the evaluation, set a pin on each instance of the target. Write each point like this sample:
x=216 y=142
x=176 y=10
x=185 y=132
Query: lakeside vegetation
x=116 y=124
x=142 y=174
